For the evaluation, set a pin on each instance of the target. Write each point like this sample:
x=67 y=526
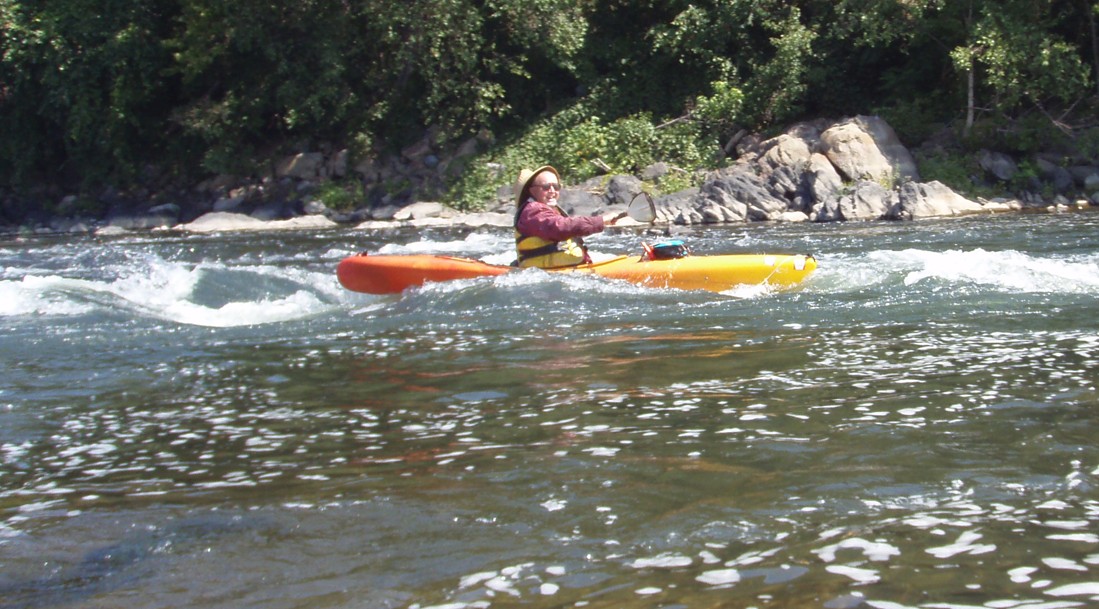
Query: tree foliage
x=83 y=90
x=95 y=93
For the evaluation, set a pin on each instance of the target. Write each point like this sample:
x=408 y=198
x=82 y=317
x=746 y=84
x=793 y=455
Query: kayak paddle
x=641 y=210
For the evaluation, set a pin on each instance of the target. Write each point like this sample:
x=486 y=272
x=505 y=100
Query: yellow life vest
x=538 y=252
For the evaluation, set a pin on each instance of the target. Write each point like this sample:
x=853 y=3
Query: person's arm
x=611 y=217
x=545 y=222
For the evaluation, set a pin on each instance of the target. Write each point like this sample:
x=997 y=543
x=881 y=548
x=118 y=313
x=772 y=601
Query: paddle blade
x=642 y=208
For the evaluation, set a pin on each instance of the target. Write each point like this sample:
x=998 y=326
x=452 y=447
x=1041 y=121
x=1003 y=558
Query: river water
x=212 y=421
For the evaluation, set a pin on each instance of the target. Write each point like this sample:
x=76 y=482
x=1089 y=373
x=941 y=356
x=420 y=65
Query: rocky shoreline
x=823 y=171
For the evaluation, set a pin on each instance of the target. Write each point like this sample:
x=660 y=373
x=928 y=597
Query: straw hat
x=522 y=185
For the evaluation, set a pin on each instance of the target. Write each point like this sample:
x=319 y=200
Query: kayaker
x=545 y=236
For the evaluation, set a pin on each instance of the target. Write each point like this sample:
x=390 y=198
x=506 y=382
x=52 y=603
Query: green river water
x=211 y=421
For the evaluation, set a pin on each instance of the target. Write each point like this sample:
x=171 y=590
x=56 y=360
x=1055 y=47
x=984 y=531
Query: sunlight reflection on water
x=558 y=441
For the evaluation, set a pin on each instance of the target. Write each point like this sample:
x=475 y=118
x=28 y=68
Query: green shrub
x=954 y=170
x=915 y=120
x=339 y=196
x=1019 y=136
x=579 y=149
x=1087 y=143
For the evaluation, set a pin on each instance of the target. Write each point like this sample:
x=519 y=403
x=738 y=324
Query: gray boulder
x=583 y=201
x=866 y=147
x=655 y=172
x=742 y=192
x=230 y=204
x=165 y=215
x=785 y=150
x=160 y=216
x=998 y=164
x=789 y=182
x=314 y=207
x=792 y=216
x=337 y=165
x=867 y=201
x=303 y=166
x=932 y=199
x=1081 y=173
x=1053 y=174
x=424 y=210
x=274 y=210
x=621 y=190
x=670 y=206
x=824 y=181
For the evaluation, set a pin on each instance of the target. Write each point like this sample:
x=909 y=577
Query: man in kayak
x=545 y=236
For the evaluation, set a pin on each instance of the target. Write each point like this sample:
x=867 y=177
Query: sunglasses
x=556 y=187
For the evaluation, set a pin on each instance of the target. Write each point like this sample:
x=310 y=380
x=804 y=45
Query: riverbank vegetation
x=147 y=94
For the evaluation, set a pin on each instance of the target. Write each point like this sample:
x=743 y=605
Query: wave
x=474 y=244
x=252 y=286
x=206 y=294
x=1007 y=271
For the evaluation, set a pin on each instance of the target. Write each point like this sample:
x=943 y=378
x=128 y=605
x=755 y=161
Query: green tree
x=760 y=47
x=1093 y=35
x=1004 y=55
x=254 y=72
x=95 y=91
x=84 y=87
x=1021 y=60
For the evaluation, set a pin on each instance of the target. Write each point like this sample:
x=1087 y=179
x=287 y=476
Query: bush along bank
x=854 y=169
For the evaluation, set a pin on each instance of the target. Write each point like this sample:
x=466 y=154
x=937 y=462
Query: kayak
x=391 y=274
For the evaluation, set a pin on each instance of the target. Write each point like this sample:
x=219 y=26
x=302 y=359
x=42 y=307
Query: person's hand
x=610 y=218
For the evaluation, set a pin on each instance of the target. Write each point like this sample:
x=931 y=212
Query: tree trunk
x=1091 y=12
x=971 y=101
x=971 y=78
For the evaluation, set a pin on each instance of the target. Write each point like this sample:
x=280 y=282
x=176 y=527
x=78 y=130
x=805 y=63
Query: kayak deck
x=713 y=273
x=391 y=274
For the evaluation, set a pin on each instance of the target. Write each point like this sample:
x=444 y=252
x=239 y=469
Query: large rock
x=1000 y=165
x=867 y=201
x=793 y=216
x=487 y=218
x=224 y=221
x=276 y=209
x=1055 y=175
x=931 y=200
x=743 y=193
x=303 y=166
x=1081 y=173
x=866 y=147
x=425 y=210
x=824 y=181
x=218 y=221
x=622 y=189
x=586 y=199
x=229 y=204
x=161 y=216
x=670 y=206
x=789 y=182
x=785 y=150
x=336 y=166
x=655 y=172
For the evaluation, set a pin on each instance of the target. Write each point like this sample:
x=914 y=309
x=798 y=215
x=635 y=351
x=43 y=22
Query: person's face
x=545 y=188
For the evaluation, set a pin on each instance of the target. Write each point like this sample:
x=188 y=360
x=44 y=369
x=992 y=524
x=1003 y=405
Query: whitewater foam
x=474 y=244
x=154 y=288
x=1011 y=271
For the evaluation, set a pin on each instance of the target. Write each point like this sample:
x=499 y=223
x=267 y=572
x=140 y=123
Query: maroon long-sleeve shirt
x=548 y=222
